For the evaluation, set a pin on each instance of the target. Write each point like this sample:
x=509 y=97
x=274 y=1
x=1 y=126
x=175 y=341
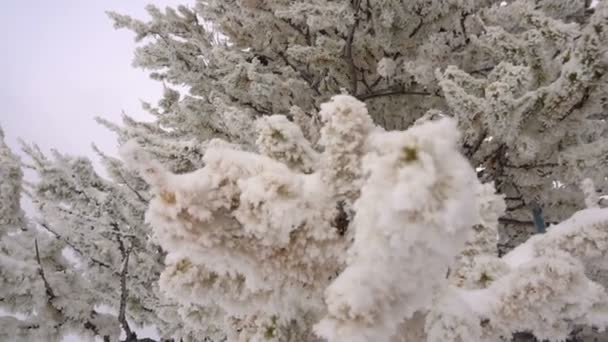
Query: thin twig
x=418 y=12
x=307 y=77
x=127 y=235
x=509 y=220
x=139 y=196
x=130 y=335
x=390 y=92
x=530 y=166
x=49 y=291
x=477 y=145
x=71 y=245
x=348 y=51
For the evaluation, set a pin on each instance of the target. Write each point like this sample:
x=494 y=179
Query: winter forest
x=330 y=170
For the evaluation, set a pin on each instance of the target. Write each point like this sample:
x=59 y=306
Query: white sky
x=63 y=64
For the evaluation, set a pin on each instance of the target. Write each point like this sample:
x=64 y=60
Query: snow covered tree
x=43 y=297
x=524 y=82
x=524 y=79
x=286 y=212
x=87 y=254
x=256 y=240
x=101 y=221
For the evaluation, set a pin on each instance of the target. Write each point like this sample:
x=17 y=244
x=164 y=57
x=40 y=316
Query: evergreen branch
x=308 y=78
x=139 y=196
x=477 y=145
x=71 y=245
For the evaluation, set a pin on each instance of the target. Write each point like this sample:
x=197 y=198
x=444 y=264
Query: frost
x=386 y=67
x=271 y=204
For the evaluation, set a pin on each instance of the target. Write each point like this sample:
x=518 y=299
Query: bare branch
x=123 y=299
x=258 y=109
x=390 y=92
x=530 y=166
x=418 y=12
x=470 y=152
x=307 y=77
x=71 y=245
x=49 y=291
x=481 y=70
x=508 y=220
x=517 y=207
x=348 y=50
x=127 y=235
x=139 y=196
x=121 y=246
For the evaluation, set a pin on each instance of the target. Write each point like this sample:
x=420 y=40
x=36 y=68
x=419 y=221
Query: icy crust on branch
x=412 y=219
x=283 y=140
x=540 y=287
x=528 y=115
x=526 y=80
x=11 y=215
x=346 y=125
x=250 y=239
x=584 y=236
x=477 y=264
x=259 y=249
x=247 y=235
x=548 y=297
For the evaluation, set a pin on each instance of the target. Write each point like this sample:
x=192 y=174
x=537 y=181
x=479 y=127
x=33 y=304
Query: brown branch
x=519 y=206
x=418 y=12
x=530 y=166
x=348 y=51
x=463 y=28
x=365 y=83
x=306 y=34
x=307 y=77
x=481 y=70
x=49 y=291
x=341 y=220
x=477 y=145
x=513 y=198
x=130 y=335
x=139 y=196
x=578 y=105
x=391 y=92
x=508 y=220
x=58 y=236
x=258 y=109
x=121 y=246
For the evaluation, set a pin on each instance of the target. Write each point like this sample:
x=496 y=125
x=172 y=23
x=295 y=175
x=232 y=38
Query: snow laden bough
x=368 y=235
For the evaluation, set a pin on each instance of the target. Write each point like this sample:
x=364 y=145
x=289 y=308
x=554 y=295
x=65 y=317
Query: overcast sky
x=63 y=64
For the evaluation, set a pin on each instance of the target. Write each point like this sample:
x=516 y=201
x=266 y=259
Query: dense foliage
x=354 y=170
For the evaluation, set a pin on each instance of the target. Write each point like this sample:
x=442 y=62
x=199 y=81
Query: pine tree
x=282 y=211
x=45 y=295
x=524 y=82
